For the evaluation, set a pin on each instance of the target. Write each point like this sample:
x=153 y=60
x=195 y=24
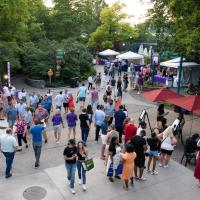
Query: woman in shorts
x=57 y=121
x=167 y=147
x=71 y=122
x=153 y=143
x=65 y=102
x=104 y=128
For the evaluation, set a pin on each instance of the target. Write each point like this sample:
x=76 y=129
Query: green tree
x=113 y=31
x=177 y=26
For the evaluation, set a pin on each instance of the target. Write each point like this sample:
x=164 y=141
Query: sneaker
x=68 y=182
x=137 y=178
x=57 y=142
x=26 y=145
x=142 y=179
x=160 y=165
x=8 y=176
x=154 y=173
x=166 y=166
x=73 y=191
x=148 y=171
x=45 y=141
x=79 y=182
x=84 y=187
x=96 y=142
x=37 y=165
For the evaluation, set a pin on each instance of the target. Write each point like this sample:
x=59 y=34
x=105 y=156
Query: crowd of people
x=124 y=146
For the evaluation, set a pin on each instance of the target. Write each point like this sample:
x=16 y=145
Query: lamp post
x=180 y=68
x=123 y=46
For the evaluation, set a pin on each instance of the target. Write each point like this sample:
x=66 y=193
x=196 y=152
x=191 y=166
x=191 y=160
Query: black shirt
x=80 y=157
x=113 y=82
x=119 y=84
x=153 y=143
x=138 y=142
x=83 y=119
x=69 y=152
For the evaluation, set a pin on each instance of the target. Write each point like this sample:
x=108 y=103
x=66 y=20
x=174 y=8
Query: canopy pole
x=191 y=124
x=180 y=74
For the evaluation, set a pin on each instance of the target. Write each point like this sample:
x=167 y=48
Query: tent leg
x=191 y=126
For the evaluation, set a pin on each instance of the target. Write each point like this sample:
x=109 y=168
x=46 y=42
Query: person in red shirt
x=130 y=130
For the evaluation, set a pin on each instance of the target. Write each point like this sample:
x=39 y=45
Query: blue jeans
x=37 y=147
x=81 y=172
x=9 y=160
x=84 y=133
x=71 y=170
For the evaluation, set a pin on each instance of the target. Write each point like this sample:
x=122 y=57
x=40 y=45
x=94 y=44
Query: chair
x=189 y=151
x=188 y=157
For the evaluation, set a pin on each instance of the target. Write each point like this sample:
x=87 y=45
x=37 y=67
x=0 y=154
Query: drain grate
x=34 y=193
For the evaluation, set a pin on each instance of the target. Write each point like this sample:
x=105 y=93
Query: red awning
x=190 y=103
x=161 y=95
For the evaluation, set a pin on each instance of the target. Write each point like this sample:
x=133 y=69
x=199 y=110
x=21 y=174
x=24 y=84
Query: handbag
x=110 y=170
x=119 y=169
x=88 y=164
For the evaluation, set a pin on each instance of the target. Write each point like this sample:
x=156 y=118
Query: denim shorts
x=82 y=99
x=153 y=153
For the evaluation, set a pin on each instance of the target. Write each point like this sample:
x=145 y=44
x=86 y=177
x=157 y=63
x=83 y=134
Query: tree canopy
x=177 y=26
x=113 y=30
x=31 y=33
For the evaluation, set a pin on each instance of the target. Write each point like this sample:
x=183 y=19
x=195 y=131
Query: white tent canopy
x=108 y=52
x=130 y=56
x=174 y=63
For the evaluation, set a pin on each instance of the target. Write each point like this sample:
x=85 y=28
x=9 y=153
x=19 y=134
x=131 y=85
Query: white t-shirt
x=59 y=100
x=90 y=79
x=8 y=143
x=167 y=144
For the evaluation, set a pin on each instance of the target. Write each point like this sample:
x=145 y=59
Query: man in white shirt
x=8 y=146
x=59 y=100
x=90 y=82
x=34 y=101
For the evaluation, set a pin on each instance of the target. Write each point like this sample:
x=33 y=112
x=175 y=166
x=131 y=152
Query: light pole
x=180 y=73
x=123 y=46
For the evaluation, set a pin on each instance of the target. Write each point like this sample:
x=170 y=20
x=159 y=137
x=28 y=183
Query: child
x=71 y=101
x=197 y=168
x=128 y=165
x=153 y=143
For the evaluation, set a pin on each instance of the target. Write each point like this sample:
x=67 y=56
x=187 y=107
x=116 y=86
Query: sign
x=8 y=68
x=50 y=74
x=60 y=53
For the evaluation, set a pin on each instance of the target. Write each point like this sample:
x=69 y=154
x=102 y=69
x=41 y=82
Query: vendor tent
x=137 y=58
x=174 y=63
x=108 y=52
x=190 y=72
x=161 y=94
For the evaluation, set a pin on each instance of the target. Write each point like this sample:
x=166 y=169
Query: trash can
x=74 y=82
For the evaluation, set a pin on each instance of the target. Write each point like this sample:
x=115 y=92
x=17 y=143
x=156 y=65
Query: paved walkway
x=175 y=183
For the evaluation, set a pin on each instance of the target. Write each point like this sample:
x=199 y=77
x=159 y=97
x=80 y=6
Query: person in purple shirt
x=57 y=121
x=71 y=122
x=94 y=97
